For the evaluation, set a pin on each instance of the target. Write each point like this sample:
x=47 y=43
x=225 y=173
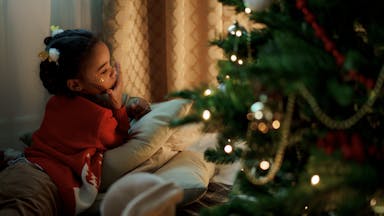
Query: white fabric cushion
x=190 y=171
x=151 y=131
x=185 y=136
x=141 y=194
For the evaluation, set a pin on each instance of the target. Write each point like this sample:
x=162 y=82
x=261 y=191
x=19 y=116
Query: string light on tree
x=311 y=89
x=377 y=202
x=207 y=92
x=261 y=116
x=264 y=165
x=228 y=149
x=206 y=115
x=236 y=29
x=315 y=179
x=233 y=57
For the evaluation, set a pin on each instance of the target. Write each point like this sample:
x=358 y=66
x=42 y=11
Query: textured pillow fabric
x=180 y=139
x=157 y=160
x=141 y=194
x=151 y=131
x=185 y=136
x=190 y=171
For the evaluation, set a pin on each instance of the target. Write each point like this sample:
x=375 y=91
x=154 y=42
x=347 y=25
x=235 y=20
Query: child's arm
x=113 y=129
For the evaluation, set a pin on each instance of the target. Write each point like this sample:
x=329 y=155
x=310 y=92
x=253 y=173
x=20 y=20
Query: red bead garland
x=329 y=46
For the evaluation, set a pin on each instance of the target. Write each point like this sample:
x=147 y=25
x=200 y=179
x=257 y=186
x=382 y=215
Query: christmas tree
x=303 y=89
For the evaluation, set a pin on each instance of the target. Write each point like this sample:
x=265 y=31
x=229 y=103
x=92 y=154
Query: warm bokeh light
x=206 y=114
x=228 y=149
x=233 y=57
x=262 y=127
x=276 y=124
x=315 y=179
x=264 y=165
x=207 y=92
x=258 y=115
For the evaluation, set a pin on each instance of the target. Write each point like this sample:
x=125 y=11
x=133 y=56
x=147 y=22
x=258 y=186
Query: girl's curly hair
x=74 y=47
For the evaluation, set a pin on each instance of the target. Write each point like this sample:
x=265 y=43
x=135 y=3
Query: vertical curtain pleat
x=163 y=45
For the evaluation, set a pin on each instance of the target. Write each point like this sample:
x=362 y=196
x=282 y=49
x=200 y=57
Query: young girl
x=77 y=129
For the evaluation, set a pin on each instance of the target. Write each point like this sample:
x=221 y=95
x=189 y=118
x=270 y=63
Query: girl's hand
x=115 y=94
x=137 y=107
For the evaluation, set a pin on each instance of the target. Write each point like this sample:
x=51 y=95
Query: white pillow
x=181 y=138
x=152 y=131
x=190 y=171
x=141 y=194
x=185 y=136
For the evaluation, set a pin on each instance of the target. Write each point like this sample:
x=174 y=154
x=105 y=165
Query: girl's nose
x=113 y=72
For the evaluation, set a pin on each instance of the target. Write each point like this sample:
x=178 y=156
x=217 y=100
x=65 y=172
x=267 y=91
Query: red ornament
x=351 y=147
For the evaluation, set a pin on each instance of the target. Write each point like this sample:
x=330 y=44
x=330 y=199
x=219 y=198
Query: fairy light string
x=324 y=118
x=279 y=157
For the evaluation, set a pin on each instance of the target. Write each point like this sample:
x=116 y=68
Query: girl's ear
x=74 y=85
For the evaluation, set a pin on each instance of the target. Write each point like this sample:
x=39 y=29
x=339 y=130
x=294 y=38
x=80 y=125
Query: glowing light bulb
x=264 y=165
x=233 y=57
x=227 y=77
x=207 y=92
x=240 y=62
x=276 y=124
x=258 y=115
x=238 y=33
x=262 y=127
x=206 y=115
x=247 y=10
x=257 y=106
x=373 y=202
x=228 y=149
x=315 y=179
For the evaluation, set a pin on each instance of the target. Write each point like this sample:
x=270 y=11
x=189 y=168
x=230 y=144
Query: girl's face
x=98 y=74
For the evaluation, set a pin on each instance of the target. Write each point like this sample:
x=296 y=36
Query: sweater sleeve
x=122 y=118
x=113 y=130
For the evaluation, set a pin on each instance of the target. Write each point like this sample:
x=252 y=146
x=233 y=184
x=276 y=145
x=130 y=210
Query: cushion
x=181 y=138
x=190 y=171
x=185 y=136
x=141 y=194
x=150 y=133
x=158 y=159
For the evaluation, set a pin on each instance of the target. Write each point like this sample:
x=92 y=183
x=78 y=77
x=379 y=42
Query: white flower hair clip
x=55 y=30
x=52 y=55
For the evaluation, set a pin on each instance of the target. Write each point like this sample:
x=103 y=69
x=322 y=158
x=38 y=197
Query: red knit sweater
x=70 y=143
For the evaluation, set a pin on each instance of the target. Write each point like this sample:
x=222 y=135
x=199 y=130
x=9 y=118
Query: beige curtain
x=163 y=45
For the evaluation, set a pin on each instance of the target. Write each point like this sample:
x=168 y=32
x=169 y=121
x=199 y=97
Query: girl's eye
x=104 y=71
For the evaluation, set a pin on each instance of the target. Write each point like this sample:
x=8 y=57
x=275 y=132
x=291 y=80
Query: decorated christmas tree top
x=304 y=92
